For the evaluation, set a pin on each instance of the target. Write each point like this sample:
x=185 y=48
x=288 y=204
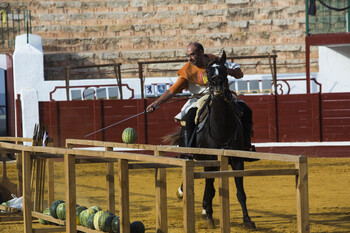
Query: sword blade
x=114 y=124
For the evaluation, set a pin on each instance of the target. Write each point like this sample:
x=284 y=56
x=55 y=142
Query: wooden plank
x=207 y=163
x=161 y=198
x=9 y=209
x=49 y=229
x=124 y=205
x=69 y=173
x=237 y=173
x=302 y=197
x=151 y=158
x=188 y=198
x=149 y=165
x=224 y=197
x=48 y=218
x=110 y=185
x=15 y=139
x=11 y=218
x=98 y=154
x=27 y=192
x=95 y=143
x=87 y=230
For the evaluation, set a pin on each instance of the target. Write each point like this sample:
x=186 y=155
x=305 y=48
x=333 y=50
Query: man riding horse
x=193 y=77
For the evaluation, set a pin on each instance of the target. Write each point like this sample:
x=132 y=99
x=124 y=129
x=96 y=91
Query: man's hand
x=151 y=108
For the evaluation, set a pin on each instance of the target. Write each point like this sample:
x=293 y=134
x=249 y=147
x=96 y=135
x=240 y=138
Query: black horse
x=222 y=129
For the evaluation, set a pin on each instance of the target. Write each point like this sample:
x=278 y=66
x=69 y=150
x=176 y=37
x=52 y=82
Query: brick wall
x=98 y=32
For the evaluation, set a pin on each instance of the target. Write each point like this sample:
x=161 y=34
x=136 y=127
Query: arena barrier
x=132 y=159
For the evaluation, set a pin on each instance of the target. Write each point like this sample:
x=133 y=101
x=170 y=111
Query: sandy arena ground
x=271 y=200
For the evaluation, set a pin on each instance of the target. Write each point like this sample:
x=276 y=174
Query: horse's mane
x=213 y=61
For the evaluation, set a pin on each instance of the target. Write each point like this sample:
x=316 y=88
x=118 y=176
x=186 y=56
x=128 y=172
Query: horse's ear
x=223 y=57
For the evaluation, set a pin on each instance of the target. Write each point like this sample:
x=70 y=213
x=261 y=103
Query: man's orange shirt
x=190 y=74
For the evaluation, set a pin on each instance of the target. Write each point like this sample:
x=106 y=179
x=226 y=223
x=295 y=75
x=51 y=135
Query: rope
x=333 y=8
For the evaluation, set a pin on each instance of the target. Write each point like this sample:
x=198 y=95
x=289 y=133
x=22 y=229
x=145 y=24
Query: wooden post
x=19 y=172
x=124 y=211
x=224 y=197
x=69 y=173
x=161 y=198
x=188 y=198
x=27 y=192
x=50 y=177
x=302 y=196
x=110 y=184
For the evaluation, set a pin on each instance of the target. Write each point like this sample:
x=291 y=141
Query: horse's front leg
x=209 y=194
x=238 y=164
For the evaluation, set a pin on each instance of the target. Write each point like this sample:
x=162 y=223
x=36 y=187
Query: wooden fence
x=160 y=162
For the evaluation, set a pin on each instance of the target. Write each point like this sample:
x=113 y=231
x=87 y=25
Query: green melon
x=129 y=136
x=97 y=208
x=84 y=216
x=105 y=221
x=46 y=212
x=61 y=211
x=53 y=208
x=78 y=210
x=100 y=214
x=90 y=222
x=137 y=227
x=115 y=225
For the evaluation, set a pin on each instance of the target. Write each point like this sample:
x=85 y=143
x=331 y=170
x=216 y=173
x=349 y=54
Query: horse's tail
x=173 y=138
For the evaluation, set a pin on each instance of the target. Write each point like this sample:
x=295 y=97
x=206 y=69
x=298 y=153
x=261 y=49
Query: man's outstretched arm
x=164 y=97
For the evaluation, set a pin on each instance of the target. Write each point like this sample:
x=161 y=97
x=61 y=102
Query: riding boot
x=248 y=134
x=187 y=143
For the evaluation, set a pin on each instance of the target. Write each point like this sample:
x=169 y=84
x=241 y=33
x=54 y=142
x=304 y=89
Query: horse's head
x=217 y=75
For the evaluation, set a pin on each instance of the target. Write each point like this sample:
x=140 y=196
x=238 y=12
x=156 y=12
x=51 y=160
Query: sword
x=115 y=124
x=118 y=122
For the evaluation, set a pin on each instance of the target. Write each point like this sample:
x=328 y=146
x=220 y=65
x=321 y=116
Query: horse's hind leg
x=238 y=164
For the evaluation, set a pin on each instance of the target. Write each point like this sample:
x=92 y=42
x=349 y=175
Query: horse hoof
x=250 y=225
x=179 y=193
x=210 y=222
x=204 y=212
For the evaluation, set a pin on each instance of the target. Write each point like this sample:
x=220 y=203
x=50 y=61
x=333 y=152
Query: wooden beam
x=110 y=185
x=188 y=197
x=237 y=173
x=224 y=197
x=27 y=192
x=302 y=198
x=124 y=205
x=69 y=171
x=161 y=198
x=49 y=229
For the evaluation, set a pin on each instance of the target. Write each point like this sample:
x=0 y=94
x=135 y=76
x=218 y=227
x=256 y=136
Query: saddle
x=202 y=109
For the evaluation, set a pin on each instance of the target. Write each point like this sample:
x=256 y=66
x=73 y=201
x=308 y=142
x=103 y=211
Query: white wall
x=334 y=68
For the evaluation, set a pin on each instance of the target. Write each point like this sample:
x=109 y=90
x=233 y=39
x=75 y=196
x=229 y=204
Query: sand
x=271 y=201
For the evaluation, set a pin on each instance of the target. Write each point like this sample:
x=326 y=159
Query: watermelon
x=129 y=136
x=53 y=208
x=78 y=210
x=97 y=208
x=61 y=211
x=105 y=222
x=116 y=224
x=137 y=227
x=90 y=222
x=46 y=212
x=100 y=218
x=84 y=216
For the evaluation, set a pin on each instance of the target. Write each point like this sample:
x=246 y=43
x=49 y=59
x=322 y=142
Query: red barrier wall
x=285 y=118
